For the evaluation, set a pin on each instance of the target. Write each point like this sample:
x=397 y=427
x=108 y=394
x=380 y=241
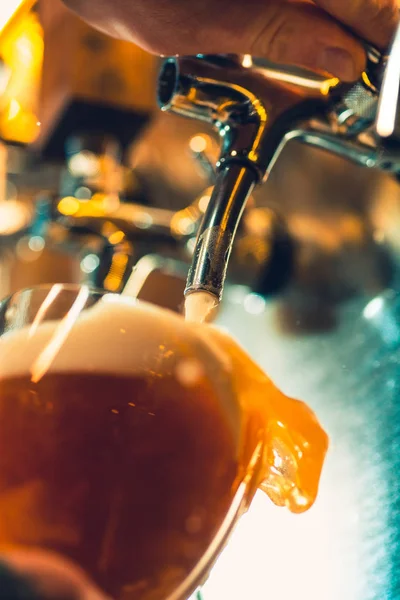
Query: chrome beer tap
x=257 y=111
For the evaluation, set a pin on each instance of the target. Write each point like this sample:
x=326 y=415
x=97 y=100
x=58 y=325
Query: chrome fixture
x=257 y=111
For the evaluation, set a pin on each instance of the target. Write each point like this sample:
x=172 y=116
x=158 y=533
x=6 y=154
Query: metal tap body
x=257 y=111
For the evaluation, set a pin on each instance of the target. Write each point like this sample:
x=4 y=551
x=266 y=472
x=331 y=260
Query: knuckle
x=380 y=15
x=272 y=37
x=383 y=12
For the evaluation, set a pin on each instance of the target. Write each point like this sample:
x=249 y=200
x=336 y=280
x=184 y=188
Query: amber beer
x=124 y=449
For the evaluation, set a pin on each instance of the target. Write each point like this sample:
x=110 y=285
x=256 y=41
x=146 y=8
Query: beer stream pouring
x=256 y=111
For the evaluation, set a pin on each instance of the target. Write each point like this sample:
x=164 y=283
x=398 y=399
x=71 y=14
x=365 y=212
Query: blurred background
x=94 y=178
x=95 y=181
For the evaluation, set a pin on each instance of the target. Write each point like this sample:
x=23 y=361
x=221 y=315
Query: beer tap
x=257 y=111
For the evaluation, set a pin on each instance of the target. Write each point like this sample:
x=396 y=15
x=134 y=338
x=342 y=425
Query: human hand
x=305 y=33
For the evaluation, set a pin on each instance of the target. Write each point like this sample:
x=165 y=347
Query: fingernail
x=338 y=62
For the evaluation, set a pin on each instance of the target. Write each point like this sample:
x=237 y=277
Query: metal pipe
x=233 y=186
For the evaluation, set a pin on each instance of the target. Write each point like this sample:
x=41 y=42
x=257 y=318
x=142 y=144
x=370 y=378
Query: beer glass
x=131 y=441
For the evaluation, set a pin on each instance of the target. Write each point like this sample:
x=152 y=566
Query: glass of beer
x=131 y=440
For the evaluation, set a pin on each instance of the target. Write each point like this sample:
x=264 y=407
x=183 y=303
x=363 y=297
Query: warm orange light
x=14 y=216
x=247 y=61
x=68 y=206
x=115 y=276
x=14 y=109
x=184 y=221
x=198 y=144
x=327 y=85
x=21 y=48
x=204 y=202
x=116 y=237
x=99 y=205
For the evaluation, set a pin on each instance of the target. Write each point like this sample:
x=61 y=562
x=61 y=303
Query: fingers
x=284 y=31
x=302 y=34
x=373 y=20
x=292 y=33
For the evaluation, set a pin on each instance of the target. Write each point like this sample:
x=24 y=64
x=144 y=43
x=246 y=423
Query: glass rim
x=68 y=287
x=65 y=287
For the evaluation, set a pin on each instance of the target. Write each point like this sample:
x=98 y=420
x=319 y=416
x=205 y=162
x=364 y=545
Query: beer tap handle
x=257 y=112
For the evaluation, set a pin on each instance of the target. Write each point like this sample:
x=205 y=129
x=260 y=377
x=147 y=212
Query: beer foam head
x=117 y=335
x=122 y=337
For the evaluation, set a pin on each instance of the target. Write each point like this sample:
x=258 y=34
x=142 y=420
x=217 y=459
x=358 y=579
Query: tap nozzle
x=233 y=187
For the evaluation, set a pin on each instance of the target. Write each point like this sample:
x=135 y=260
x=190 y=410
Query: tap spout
x=243 y=107
x=233 y=186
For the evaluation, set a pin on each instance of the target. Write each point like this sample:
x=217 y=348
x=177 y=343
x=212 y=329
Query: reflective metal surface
x=257 y=111
x=216 y=235
x=347 y=546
